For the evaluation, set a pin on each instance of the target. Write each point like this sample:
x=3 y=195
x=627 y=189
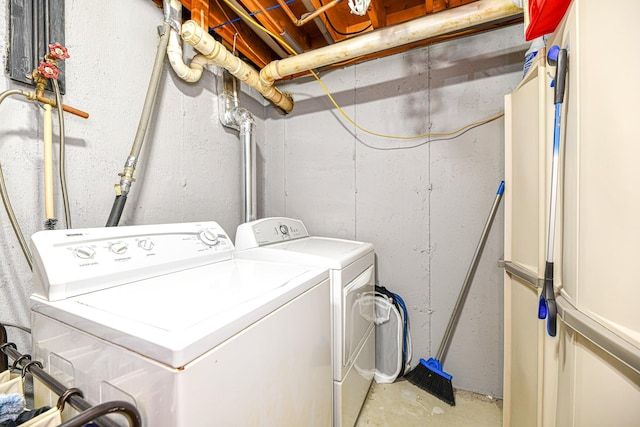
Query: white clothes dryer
x=163 y=317
x=352 y=273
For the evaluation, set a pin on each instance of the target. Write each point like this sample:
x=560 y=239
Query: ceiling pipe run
x=217 y=54
x=481 y=12
x=460 y=18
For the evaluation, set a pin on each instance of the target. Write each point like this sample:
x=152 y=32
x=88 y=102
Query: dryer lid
x=321 y=251
x=287 y=239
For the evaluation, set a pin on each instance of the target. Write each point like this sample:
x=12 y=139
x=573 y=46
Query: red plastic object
x=544 y=17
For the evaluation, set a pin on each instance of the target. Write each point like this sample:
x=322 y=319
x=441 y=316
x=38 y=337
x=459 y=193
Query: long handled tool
x=428 y=375
x=547 y=305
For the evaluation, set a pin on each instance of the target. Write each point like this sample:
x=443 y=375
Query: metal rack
x=72 y=396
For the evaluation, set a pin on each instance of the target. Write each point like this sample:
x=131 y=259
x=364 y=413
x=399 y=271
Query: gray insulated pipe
x=126 y=177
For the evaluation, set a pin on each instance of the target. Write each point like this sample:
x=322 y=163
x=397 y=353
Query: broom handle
x=472 y=269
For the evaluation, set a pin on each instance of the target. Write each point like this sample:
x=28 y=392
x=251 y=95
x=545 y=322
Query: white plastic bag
x=389 y=340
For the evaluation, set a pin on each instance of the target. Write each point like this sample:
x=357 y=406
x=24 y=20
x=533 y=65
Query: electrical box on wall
x=34 y=25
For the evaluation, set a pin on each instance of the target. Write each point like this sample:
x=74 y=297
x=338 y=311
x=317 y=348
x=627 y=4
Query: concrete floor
x=403 y=404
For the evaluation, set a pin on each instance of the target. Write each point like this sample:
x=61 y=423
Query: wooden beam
x=406 y=14
x=360 y=28
x=277 y=21
x=428 y=4
x=456 y=3
x=246 y=41
x=200 y=12
x=377 y=14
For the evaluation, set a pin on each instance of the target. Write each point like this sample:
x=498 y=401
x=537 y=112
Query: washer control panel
x=77 y=261
x=266 y=231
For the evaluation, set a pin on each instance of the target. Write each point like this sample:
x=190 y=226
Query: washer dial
x=84 y=252
x=209 y=237
x=145 y=244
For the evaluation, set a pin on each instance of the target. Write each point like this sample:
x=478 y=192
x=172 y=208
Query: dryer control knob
x=84 y=252
x=209 y=237
x=145 y=244
x=118 y=248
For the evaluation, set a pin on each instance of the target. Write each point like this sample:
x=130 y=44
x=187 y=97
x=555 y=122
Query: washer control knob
x=209 y=237
x=284 y=230
x=84 y=252
x=118 y=248
x=146 y=244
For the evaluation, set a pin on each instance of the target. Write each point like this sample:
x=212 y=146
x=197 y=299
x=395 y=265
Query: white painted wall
x=189 y=168
x=424 y=208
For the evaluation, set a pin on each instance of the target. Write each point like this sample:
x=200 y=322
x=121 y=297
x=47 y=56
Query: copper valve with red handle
x=48 y=69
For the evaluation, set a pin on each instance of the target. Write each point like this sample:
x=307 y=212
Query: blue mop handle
x=547 y=305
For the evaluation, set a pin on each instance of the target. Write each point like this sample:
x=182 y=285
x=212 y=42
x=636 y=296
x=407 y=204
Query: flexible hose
x=150 y=99
x=63 y=174
x=5 y=196
x=152 y=91
x=116 y=210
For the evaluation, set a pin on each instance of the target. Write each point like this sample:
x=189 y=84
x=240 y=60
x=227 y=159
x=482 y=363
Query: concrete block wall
x=422 y=202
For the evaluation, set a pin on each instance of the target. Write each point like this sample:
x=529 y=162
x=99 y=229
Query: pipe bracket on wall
x=34 y=24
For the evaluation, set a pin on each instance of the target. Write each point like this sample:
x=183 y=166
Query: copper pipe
x=41 y=82
x=307 y=16
x=65 y=107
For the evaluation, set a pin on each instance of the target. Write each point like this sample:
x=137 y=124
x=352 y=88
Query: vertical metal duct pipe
x=231 y=115
x=240 y=119
x=247 y=126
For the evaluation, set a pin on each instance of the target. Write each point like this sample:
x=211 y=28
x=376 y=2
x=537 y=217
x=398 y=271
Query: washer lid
x=177 y=317
x=320 y=251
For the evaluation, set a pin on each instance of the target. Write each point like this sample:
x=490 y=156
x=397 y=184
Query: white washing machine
x=352 y=274
x=163 y=317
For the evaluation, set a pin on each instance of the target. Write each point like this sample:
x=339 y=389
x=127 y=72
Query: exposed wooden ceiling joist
x=283 y=18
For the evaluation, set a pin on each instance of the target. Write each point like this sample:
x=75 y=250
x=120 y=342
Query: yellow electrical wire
x=335 y=104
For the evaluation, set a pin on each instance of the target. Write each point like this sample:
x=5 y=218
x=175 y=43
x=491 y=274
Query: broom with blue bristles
x=428 y=374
